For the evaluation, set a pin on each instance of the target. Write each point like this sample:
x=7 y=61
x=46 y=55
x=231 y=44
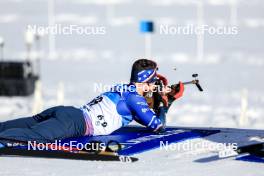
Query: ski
x=74 y=155
x=256 y=149
x=246 y=153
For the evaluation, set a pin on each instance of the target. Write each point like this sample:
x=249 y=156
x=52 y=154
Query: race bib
x=103 y=114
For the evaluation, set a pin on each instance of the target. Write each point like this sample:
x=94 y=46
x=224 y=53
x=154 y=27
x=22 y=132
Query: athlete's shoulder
x=124 y=88
x=126 y=92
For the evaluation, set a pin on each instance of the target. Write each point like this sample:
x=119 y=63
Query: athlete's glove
x=176 y=91
x=167 y=95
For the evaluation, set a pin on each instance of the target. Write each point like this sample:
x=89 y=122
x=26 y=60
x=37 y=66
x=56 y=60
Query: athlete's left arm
x=144 y=115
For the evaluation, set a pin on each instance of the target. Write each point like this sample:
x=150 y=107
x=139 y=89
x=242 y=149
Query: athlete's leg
x=66 y=122
x=27 y=122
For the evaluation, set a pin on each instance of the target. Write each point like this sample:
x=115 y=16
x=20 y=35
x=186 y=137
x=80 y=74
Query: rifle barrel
x=190 y=82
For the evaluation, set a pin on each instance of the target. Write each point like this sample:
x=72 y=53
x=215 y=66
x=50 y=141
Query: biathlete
x=106 y=113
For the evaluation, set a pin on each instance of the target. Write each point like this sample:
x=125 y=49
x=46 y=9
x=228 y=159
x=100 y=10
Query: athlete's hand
x=169 y=94
x=163 y=79
x=177 y=91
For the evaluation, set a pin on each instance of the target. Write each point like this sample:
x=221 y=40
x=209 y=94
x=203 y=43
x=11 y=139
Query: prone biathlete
x=106 y=113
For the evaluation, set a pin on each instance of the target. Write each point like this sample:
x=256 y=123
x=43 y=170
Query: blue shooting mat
x=251 y=158
x=136 y=139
